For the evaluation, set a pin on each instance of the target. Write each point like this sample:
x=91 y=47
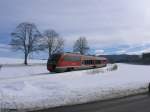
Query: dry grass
x=108 y=68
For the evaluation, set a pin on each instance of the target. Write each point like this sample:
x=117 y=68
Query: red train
x=69 y=61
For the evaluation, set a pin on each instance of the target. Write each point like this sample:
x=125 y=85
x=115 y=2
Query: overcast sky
x=111 y=26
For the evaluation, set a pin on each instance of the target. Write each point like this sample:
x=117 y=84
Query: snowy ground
x=51 y=90
x=11 y=61
x=22 y=71
x=12 y=68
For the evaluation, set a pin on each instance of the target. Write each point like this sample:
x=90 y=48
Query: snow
x=22 y=71
x=12 y=68
x=11 y=61
x=51 y=90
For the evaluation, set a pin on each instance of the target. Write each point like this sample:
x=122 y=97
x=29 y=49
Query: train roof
x=88 y=56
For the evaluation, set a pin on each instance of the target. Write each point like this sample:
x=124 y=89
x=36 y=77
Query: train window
x=54 y=58
x=92 y=62
x=98 y=62
x=88 y=62
x=72 y=58
x=85 y=62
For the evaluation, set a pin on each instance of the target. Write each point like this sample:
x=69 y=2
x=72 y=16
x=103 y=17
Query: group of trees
x=27 y=38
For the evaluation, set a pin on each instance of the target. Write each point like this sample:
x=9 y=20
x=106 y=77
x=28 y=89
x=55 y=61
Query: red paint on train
x=69 y=61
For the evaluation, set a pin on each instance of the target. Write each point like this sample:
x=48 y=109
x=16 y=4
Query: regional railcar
x=70 y=61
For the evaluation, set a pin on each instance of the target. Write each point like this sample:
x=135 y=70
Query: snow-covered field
x=12 y=68
x=51 y=90
x=10 y=61
x=22 y=71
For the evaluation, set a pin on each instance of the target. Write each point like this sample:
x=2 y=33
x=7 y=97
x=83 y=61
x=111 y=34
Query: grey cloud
x=103 y=22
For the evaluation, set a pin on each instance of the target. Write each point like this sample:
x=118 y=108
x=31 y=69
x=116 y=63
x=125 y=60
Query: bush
x=114 y=67
x=109 y=67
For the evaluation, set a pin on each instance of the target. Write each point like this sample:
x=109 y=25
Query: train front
x=52 y=62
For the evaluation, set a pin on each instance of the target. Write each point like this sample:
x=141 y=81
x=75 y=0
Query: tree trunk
x=26 y=59
x=50 y=53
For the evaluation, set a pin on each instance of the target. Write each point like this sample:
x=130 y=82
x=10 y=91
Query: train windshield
x=54 y=59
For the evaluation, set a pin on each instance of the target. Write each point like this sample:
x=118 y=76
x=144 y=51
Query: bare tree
x=81 y=45
x=53 y=42
x=26 y=38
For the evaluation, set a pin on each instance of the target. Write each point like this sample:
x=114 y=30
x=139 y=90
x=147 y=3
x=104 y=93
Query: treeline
x=125 y=58
x=28 y=39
